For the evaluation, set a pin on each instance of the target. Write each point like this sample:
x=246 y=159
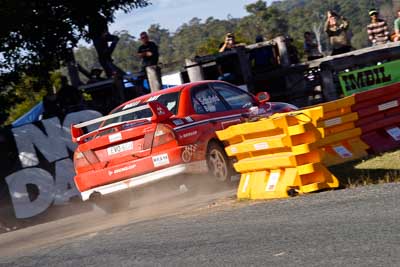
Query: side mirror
x=263 y=97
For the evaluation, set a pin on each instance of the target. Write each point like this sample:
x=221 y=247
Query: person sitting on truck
x=378 y=31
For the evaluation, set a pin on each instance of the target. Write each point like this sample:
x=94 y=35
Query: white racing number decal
x=115 y=137
x=119 y=148
x=160 y=160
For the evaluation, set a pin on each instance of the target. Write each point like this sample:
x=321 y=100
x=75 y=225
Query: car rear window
x=170 y=100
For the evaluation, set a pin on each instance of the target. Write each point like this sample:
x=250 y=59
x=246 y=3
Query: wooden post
x=195 y=70
x=154 y=78
x=245 y=67
x=283 y=52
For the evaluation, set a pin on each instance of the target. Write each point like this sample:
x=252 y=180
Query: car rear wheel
x=218 y=163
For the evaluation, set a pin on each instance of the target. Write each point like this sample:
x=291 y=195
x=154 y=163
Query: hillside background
x=202 y=37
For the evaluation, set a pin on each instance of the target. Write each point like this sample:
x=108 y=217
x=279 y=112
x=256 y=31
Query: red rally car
x=164 y=134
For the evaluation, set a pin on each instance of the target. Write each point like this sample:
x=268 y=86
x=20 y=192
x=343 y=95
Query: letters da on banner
x=370 y=78
x=54 y=144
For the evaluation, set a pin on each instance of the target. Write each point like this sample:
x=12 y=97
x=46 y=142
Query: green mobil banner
x=370 y=78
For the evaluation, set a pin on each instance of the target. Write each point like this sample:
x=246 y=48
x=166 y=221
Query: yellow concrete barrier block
x=277 y=183
x=335 y=108
x=337 y=113
x=259 y=144
x=269 y=184
x=346 y=135
x=266 y=162
x=313 y=115
x=351 y=117
x=237 y=133
x=320 y=179
x=246 y=184
x=344 y=151
x=336 y=129
x=277 y=160
x=304 y=148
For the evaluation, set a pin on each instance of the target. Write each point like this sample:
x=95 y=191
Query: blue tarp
x=29 y=117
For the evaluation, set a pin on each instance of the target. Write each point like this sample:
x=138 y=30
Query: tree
x=36 y=36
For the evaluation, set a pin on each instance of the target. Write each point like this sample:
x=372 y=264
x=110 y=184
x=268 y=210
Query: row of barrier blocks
x=287 y=152
x=278 y=156
x=379 y=117
x=341 y=139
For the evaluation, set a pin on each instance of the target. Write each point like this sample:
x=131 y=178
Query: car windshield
x=169 y=100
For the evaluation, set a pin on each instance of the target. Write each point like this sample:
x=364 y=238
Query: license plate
x=119 y=148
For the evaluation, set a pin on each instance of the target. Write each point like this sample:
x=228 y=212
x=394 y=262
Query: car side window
x=170 y=101
x=205 y=100
x=235 y=97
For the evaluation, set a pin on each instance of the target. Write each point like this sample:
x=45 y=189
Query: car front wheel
x=218 y=162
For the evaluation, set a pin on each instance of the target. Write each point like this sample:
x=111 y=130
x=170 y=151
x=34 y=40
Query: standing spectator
x=148 y=52
x=337 y=33
x=98 y=32
x=262 y=58
x=397 y=27
x=226 y=63
x=378 y=32
x=292 y=51
x=229 y=43
x=311 y=47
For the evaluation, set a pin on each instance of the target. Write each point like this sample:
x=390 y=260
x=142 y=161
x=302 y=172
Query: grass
x=378 y=169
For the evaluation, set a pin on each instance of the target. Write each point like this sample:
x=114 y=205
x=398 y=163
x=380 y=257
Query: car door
x=210 y=106
x=238 y=100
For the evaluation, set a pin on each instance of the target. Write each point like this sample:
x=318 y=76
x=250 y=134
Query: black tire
x=219 y=164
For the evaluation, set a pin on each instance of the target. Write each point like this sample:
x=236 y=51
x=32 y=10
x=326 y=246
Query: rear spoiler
x=160 y=114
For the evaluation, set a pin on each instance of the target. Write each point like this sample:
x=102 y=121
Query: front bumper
x=188 y=168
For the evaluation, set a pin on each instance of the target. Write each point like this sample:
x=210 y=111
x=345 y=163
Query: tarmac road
x=354 y=227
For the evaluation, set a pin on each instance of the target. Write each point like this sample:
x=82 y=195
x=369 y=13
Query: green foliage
x=29 y=94
x=37 y=35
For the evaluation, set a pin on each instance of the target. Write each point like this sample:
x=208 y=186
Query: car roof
x=166 y=91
